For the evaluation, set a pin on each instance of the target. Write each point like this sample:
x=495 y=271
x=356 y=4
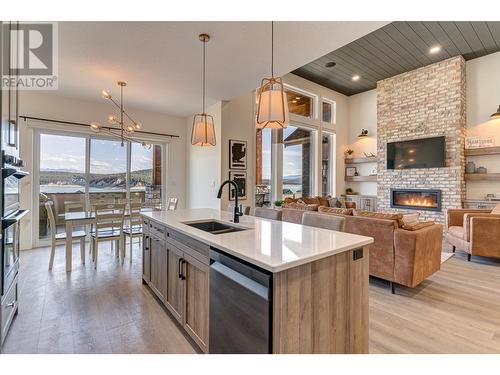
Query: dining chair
x=267 y=213
x=74 y=206
x=172 y=204
x=332 y=222
x=245 y=209
x=60 y=237
x=134 y=226
x=108 y=226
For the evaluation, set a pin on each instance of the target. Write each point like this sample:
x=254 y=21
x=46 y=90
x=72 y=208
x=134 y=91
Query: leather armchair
x=477 y=232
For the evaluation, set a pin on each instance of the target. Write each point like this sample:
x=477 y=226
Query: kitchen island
x=318 y=281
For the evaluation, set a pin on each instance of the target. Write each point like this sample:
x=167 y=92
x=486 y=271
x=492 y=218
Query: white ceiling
x=161 y=61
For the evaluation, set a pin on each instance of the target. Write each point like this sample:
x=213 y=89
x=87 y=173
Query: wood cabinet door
x=158 y=267
x=146 y=258
x=174 y=296
x=196 y=300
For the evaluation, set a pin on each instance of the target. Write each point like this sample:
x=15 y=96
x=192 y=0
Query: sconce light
x=364 y=133
x=496 y=114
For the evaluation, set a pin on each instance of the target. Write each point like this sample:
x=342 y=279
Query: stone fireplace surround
x=426 y=102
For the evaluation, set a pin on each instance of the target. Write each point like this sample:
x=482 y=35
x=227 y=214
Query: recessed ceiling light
x=297 y=98
x=355 y=77
x=435 y=49
x=294 y=101
x=330 y=64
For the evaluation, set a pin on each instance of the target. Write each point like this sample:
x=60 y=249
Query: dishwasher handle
x=258 y=289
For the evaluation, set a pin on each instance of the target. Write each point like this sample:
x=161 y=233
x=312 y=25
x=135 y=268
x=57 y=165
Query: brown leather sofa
x=475 y=231
x=398 y=255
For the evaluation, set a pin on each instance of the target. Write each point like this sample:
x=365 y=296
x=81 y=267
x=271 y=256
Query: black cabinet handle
x=146 y=238
x=181 y=262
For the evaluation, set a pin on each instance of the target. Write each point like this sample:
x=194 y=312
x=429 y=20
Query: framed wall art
x=237 y=154
x=241 y=180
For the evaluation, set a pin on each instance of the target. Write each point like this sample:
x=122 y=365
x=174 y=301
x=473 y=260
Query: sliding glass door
x=62 y=177
x=76 y=171
x=108 y=171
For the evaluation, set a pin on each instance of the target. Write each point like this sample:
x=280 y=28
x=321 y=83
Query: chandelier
x=125 y=131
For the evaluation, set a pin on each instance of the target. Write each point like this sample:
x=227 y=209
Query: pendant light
x=496 y=114
x=203 y=132
x=272 y=107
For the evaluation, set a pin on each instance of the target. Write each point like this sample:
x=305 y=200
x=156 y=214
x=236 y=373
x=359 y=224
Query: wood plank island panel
x=322 y=307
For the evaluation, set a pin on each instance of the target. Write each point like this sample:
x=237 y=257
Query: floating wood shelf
x=361 y=178
x=482 y=151
x=368 y=159
x=482 y=176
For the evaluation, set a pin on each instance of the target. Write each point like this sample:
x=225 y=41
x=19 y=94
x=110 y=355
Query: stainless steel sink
x=214 y=226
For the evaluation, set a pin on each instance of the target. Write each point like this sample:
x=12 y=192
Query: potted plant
x=348 y=153
x=278 y=203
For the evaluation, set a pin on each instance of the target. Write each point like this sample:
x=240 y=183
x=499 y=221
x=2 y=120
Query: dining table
x=80 y=218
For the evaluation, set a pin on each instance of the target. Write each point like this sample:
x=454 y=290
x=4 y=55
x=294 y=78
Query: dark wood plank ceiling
x=397 y=48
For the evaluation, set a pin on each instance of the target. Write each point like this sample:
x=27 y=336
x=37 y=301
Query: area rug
x=445 y=257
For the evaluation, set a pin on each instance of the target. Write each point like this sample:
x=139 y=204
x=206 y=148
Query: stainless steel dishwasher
x=240 y=306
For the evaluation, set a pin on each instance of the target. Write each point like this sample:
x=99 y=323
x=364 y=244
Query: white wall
x=483 y=98
x=363 y=115
x=238 y=123
x=204 y=165
x=47 y=105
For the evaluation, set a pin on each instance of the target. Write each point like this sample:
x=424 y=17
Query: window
x=263 y=172
x=108 y=171
x=328 y=111
x=328 y=164
x=78 y=171
x=300 y=104
x=298 y=159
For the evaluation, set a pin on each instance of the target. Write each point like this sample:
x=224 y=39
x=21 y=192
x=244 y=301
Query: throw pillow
x=323 y=201
x=299 y=205
x=409 y=219
x=380 y=215
x=311 y=200
x=335 y=210
x=418 y=225
x=496 y=209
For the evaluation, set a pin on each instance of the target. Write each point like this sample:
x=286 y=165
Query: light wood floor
x=89 y=311
x=109 y=310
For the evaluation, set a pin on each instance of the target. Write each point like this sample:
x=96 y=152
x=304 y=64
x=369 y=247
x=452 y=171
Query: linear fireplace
x=416 y=199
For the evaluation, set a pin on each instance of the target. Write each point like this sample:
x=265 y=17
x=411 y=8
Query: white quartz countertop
x=269 y=244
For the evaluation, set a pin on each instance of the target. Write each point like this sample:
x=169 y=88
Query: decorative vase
x=470 y=167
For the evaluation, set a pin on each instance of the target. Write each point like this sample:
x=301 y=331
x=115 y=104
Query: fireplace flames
x=417 y=201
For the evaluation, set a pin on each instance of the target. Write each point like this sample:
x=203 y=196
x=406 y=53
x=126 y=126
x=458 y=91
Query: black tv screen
x=418 y=153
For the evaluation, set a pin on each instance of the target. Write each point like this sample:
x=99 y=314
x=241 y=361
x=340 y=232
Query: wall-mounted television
x=417 y=153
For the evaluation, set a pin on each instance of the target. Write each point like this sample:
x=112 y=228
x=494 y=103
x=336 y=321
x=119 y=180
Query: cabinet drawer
x=8 y=309
x=196 y=249
x=157 y=230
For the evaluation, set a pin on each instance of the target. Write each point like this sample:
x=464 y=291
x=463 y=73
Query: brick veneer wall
x=425 y=102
